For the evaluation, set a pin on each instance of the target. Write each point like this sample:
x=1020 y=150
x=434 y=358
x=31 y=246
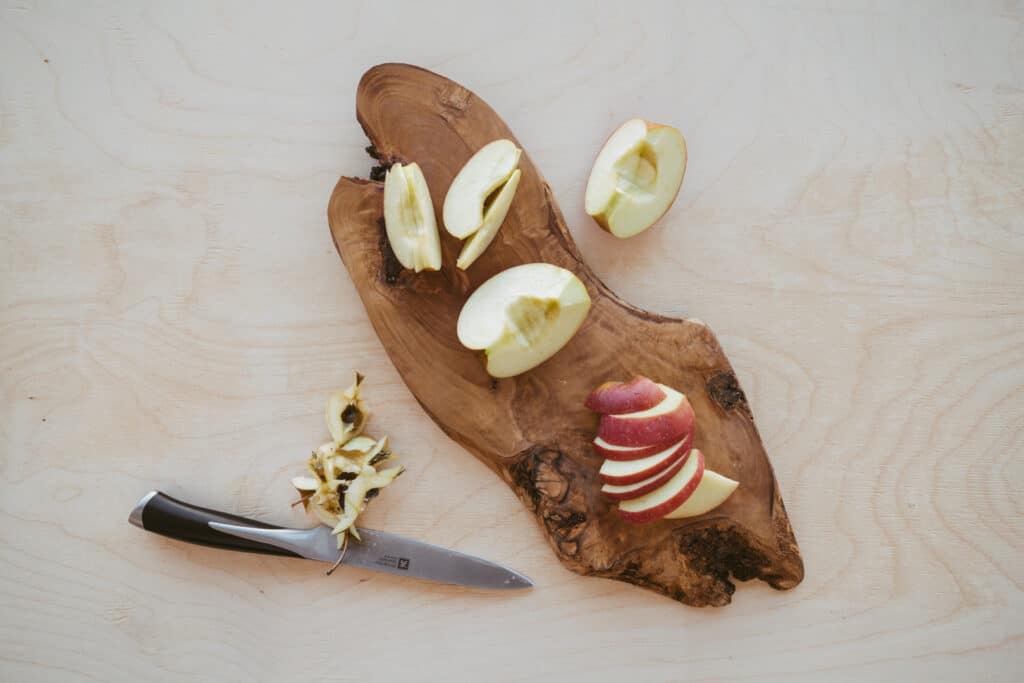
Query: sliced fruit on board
x=670 y=419
x=624 y=472
x=533 y=430
x=613 y=452
x=613 y=398
x=713 y=490
x=630 y=491
x=667 y=497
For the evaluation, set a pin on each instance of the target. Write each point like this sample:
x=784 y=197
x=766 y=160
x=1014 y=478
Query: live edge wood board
x=533 y=430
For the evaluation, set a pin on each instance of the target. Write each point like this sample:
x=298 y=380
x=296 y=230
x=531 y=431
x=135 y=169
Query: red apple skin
x=641 y=452
x=658 y=511
x=647 y=488
x=613 y=398
x=633 y=432
x=651 y=470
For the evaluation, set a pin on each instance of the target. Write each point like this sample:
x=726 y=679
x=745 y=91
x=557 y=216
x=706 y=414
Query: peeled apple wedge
x=480 y=196
x=636 y=177
x=522 y=316
x=493 y=218
x=409 y=218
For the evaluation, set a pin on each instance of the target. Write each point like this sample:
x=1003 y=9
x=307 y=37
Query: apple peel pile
x=651 y=468
x=343 y=473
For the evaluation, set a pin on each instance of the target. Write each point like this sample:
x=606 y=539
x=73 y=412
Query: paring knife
x=380 y=551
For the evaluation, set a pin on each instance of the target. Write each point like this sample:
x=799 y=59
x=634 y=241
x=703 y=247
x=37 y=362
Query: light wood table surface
x=173 y=315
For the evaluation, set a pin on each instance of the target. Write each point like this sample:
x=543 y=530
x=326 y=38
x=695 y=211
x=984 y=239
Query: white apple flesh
x=522 y=316
x=487 y=170
x=409 y=218
x=712 y=491
x=636 y=177
x=494 y=216
x=624 y=472
x=667 y=497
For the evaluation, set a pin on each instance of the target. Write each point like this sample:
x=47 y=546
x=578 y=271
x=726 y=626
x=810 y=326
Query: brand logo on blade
x=393 y=562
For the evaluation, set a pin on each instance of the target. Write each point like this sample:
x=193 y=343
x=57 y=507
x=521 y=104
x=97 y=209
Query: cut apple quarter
x=613 y=398
x=636 y=177
x=409 y=218
x=622 y=472
x=667 y=497
x=480 y=196
x=672 y=418
x=645 y=486
x=712 y=491
x=522 y=316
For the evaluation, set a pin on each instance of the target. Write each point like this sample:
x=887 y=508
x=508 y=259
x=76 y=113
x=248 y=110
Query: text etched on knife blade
x=393 y=562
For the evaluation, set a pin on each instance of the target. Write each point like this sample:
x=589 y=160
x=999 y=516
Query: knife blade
x=380 y=551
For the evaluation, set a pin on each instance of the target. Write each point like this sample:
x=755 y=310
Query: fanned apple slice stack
x=650 y=468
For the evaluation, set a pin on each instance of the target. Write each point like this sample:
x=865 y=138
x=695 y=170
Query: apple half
x=671 y=419
x=522 y=316
x=480 y=196
x=636 y=177
x=638 y=393
x=712 y=491
x=667 y=497
x=409 y=218
x=623 y=472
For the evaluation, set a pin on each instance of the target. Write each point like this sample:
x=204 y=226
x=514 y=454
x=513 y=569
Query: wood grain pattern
x=533 y=430
x=171 y=305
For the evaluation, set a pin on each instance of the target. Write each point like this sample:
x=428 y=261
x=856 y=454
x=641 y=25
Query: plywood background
x=173 y=315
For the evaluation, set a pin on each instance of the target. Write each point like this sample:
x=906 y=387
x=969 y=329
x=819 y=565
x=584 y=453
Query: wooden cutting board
x=533 y=430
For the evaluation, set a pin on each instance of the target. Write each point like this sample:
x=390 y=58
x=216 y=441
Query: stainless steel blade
x=388 y=553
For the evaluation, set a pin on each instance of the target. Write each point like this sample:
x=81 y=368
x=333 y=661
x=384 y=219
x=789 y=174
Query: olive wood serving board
x=533 y=430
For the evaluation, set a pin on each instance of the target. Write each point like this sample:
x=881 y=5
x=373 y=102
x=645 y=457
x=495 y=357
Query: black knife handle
x=161 y=514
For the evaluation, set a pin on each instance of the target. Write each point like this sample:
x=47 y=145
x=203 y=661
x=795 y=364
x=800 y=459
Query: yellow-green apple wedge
x=638 y=393
x=522 y=316
x=409 y=218
x=487 y=170
x=624 y=472
x=712 y=491
x=671 y=419
x=645 y=486
x=613 y=452
x=636 y=177
x=494 y=216
x=667 y=497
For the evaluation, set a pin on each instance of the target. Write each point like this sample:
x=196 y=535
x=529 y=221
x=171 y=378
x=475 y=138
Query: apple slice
x=670 y=419
x=645 y=486
x=624 y=472
x=522 y=316
x=636 y=177
x=486 y=171
x=627 y=453
x=612 y=452
x=409 y=218
x=712 y=491
x=494 y=216
x=667 y=497
x=638 y=393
